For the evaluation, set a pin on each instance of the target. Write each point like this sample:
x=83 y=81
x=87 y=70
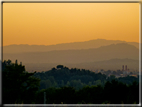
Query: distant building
x=124 y=72
x=97 y=71
x=101 y=71
x=122 y=67
x=118 y=70
x=117 y=76
x=134 y=75
x=16 y=62
x=126 y=67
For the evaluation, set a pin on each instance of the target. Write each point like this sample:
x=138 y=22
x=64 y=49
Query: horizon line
x=74 y=42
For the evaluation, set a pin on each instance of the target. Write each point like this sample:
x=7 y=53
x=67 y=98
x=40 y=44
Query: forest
x=77 y=78
x=65 y=86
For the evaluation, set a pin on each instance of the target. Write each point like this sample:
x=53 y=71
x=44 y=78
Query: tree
x=115 y=92
x=65 y=95
x=98 y=82
x=5 y=63
x=68 y=84
x=18 y=86
x=53 y=69
x=133 y=95
x=60 y=66
x=112 y=77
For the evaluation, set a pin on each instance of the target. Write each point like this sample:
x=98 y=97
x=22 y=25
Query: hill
x=80 y=58
x=65 y=46
x=112 y=51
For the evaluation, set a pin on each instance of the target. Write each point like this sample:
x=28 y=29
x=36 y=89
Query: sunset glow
x=54 y=23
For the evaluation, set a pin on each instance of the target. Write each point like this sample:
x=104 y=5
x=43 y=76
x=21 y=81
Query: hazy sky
x=53 y=23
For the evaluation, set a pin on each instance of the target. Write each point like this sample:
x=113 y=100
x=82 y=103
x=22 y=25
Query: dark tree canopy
x=18 y=86
x=64 y=85
x=60 y=66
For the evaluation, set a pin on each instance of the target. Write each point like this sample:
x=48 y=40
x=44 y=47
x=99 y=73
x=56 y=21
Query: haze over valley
x=93 y=54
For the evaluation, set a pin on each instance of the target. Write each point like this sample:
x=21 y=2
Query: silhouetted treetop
x=18 y=86
x=59 y=66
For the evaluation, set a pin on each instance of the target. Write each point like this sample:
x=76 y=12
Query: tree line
x=64 y=85
x=77 y=78
x=114 y=92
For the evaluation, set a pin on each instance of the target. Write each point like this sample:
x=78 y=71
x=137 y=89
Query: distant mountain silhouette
x=120 y=51
x=134 y=44
x=65 y=46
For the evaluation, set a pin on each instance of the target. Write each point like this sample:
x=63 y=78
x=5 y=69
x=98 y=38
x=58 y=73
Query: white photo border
x=71 y=1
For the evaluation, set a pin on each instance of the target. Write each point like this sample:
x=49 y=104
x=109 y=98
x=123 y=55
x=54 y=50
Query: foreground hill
x=65 y=46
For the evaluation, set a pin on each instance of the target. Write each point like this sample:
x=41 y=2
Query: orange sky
x=54 y=23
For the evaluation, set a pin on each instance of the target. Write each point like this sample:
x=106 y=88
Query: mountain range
x=100 y=54
x=64 y=46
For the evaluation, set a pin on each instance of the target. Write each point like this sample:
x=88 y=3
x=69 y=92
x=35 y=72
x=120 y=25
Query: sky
x=55 y=23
